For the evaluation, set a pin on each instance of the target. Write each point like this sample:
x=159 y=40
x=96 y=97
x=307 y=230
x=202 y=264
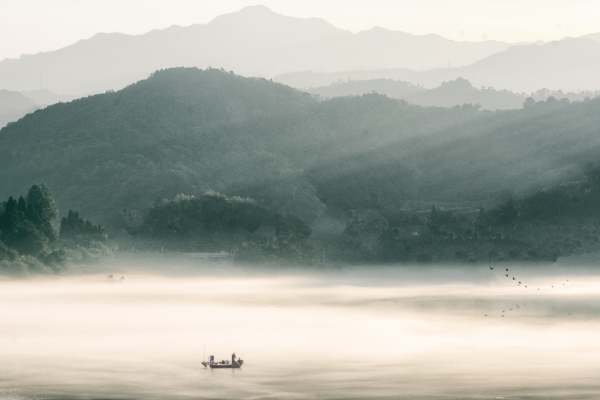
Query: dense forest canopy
x=189 y=131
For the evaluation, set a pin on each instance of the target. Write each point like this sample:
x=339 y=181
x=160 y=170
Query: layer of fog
x=418 y=332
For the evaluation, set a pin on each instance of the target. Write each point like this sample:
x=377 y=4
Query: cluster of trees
x=214 y=222
x=26 y=231
x=560 y=221
x=73 y=225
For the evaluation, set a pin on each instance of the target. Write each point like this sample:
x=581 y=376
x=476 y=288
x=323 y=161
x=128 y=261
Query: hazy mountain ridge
x=46 y=97
x=568 y=65
x=448 y=94
x=14 y=105
x=254 y=42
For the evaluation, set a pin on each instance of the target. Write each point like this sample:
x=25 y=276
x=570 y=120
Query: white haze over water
x=350 y=333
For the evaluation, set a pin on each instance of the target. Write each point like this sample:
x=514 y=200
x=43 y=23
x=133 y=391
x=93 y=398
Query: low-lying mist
x=370 y=332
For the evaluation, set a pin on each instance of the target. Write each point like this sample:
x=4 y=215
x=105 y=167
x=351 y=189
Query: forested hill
x=499 y=153
x=190 y=130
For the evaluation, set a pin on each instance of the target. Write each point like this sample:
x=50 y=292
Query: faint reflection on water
x=414 y=333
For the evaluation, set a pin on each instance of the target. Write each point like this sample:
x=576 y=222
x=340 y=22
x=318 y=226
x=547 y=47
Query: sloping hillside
x=188 y=131
x=516 y=152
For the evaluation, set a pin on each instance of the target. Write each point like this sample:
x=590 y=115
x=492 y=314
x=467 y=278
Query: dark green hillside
x=189 y=131
x=354 y=177
x=162 y=136
x=517 y=151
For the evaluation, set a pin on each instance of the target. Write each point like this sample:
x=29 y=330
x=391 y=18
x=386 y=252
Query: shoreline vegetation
x=559 y=222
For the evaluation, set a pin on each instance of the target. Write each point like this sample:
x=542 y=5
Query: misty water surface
x=372 y=333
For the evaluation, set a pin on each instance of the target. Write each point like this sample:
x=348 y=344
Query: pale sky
x=31 y=26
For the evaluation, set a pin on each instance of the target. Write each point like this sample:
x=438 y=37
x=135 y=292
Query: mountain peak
x=249 y=13
x=260 y=17
x=258 y=9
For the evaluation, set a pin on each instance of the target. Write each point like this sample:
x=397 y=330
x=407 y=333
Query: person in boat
x=211 y=359
x=233 y=357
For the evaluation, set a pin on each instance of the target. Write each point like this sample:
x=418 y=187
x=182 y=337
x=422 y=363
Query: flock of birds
x=519 y=283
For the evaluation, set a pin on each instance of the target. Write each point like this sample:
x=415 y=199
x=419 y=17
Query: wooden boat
x=236 y=364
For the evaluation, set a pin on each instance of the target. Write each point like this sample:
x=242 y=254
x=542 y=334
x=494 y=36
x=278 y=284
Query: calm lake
x=349 y=333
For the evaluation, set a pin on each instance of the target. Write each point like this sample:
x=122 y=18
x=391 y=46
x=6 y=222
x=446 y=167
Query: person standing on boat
x=233 y=357
x=211 y=359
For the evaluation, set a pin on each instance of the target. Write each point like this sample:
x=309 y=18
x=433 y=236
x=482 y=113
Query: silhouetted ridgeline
x=355 y=177
x=569 y=64
x=264 y=44
x=13 y=106
x=448 y=94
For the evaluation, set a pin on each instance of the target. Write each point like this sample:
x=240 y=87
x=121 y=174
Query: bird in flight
x=491 y=268
x=513 y=278
x=507 y=269
x=506 y=275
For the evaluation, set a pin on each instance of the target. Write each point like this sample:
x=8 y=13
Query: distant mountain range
x=15 y=105
x=302 y=53
x=253 y=42
x=448 y=94
x=570 y=65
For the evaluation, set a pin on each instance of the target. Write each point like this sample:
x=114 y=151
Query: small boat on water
x=223 y=364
